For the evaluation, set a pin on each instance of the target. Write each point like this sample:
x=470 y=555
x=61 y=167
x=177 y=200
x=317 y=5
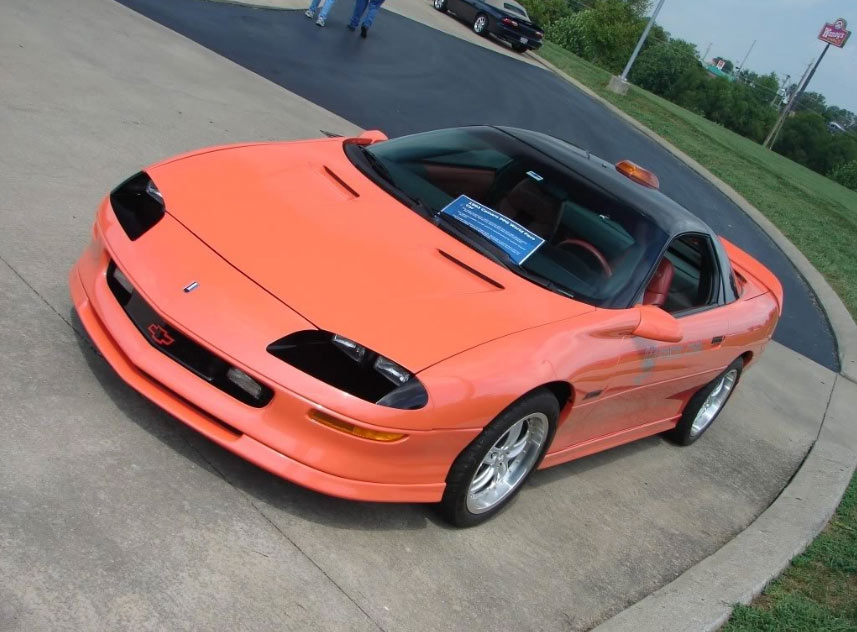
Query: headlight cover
x=138 y=205
x=351 y=367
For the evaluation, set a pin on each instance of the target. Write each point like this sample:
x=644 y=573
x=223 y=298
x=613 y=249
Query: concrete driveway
x=114 y=516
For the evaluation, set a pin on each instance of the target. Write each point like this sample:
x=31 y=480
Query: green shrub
x=662 y=67
x=546 y=12
x=604 y=34
x=846 y=174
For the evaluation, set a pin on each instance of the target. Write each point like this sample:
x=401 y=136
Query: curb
x=702 y=598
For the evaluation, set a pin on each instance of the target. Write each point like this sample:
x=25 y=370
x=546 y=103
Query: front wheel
x=440 y=5
x=491 y=470
x=704 y=407
x=480 y=24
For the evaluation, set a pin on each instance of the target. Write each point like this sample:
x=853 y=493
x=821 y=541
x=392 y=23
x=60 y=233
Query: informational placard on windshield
x=508 y=235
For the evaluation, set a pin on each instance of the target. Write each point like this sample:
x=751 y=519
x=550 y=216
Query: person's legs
x=313 y=7
x=359 y=8
x=322 y=15
x=374 y=5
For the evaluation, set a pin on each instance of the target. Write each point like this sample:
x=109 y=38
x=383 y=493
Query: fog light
x=122 y=280
x=244 y=382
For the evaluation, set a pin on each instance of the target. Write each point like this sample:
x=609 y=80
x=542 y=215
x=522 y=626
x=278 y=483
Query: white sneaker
x=319 y=22
x=309 y=14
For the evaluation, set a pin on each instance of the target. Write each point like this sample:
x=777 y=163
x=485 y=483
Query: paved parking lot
x=114 y=516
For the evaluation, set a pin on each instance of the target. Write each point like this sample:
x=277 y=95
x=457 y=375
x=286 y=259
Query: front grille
x=174 y=344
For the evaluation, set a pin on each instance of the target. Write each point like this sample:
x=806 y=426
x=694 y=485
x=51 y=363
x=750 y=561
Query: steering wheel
x=581 y=243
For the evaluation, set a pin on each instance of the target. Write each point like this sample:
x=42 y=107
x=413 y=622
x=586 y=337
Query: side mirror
x=656 y=324
x=373 y=136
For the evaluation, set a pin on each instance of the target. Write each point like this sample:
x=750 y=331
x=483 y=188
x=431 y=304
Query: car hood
x=302 y=222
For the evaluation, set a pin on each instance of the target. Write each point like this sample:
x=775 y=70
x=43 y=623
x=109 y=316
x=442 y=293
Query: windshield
x=596 y=247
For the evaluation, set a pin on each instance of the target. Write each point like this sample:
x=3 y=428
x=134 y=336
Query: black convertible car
x=504 y=19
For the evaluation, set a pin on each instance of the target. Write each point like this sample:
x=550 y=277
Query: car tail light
x=638 y=174
x=509 y=22
x=539 y=34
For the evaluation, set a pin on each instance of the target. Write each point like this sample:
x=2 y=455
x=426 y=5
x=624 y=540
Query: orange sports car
x=424 y=319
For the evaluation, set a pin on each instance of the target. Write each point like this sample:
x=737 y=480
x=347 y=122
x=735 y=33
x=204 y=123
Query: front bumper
x=280 y=437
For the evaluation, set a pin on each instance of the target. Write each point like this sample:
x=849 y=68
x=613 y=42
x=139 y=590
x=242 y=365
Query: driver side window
x=686 y=277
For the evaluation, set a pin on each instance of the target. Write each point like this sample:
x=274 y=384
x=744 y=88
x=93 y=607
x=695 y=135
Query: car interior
x=596 y=246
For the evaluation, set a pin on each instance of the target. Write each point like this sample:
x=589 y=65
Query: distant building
x=835 y=128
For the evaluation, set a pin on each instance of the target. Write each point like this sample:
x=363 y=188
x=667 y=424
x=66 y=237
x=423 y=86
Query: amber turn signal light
x=638 y=174
x=349 y=428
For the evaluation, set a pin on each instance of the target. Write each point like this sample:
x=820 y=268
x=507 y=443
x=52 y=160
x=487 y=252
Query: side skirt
x=591 y=446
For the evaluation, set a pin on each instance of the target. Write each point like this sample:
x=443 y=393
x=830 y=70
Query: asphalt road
x=408 y=77
x=115 y=516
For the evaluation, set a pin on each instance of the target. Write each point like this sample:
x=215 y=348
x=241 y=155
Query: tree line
x=819 y=136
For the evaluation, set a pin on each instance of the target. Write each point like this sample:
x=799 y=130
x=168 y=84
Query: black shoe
x=350 y=28
x=363 y=32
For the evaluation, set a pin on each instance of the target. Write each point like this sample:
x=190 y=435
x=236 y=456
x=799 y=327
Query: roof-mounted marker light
x=639 y=175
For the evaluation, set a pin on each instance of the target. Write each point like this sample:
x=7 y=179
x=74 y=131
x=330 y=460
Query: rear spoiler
x=747 y=265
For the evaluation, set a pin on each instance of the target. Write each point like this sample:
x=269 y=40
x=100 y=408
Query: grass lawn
x=818 y=215
x=818 y=592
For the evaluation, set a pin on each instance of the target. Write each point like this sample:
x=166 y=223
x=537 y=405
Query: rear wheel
x=704 y=407
x=440 y=5
x=480 y=24
x=492 y=469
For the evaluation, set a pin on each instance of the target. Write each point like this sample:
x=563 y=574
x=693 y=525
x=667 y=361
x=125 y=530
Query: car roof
x=668 y=215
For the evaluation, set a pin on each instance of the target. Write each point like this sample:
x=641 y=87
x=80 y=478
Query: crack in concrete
x=36 y=292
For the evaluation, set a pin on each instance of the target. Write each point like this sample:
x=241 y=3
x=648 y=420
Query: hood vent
x=471 y=270
x=341 y=182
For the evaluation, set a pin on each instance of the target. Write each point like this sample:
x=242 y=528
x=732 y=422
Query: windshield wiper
x=539 y=279
x=377 y=166
x=471 y=237
x=384 y=173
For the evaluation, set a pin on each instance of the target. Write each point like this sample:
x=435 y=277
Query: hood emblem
x=191 y=287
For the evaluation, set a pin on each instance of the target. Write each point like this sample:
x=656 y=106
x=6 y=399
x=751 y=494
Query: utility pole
x=707 y=50
x=812 y=73
x=784 y=86
x=741 y=65
x=775 y=130
x=620 y=84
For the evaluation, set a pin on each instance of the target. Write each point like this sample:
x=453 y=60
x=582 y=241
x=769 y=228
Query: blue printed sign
x=510 y=236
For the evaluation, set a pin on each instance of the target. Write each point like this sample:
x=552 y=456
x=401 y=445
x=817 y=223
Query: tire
x=488 y=466
x=440 y=5
x=519 y=48
x=695 y=420
x=480 y=25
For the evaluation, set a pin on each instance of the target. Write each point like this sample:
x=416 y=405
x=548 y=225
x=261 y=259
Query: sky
x=786 y=31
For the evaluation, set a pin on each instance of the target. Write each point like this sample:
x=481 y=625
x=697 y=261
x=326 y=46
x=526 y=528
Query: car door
x=651 y=381
x=467 y=9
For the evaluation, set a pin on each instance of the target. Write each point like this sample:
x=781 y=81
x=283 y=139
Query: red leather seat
x=659 y=286
x=530 y=207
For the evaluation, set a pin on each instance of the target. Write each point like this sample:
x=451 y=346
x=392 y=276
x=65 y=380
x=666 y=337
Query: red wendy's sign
x=835 y=33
